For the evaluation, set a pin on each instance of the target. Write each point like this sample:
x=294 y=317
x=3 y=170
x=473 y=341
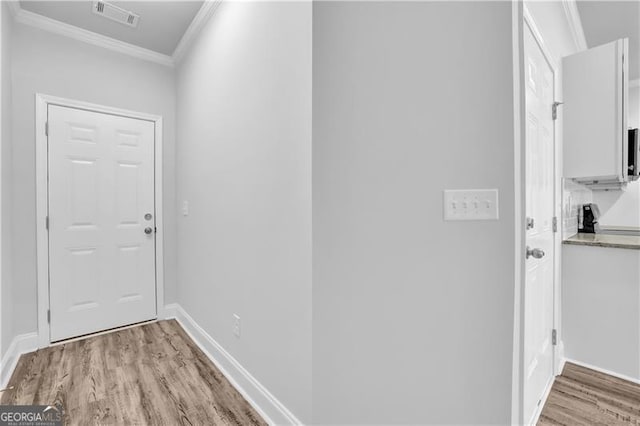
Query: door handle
x=148 y=230
x=536 y=253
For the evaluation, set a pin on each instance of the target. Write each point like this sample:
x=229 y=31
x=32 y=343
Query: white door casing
x=538 y=363
x=153 y=294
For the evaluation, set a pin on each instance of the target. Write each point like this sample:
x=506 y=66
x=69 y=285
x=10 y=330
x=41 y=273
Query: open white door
x=539 y=283
x=101 y=221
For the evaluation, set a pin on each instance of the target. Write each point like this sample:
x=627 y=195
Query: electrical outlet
x=185 y=208
x=236 y=326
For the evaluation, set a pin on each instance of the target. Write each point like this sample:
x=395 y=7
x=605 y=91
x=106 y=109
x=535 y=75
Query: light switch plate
x=471 y=204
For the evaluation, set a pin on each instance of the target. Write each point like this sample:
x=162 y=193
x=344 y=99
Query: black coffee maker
x=588 y=219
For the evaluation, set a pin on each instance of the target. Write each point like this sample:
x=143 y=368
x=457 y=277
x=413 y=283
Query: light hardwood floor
x=152 y=374
x=581 y=396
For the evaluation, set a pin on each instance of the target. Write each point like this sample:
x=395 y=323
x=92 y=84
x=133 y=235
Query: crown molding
x=51 y=25
x=207 y=10
x=35 y=20
x=575 y=23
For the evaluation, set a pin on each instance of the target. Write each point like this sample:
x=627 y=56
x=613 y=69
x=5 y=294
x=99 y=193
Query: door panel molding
x=42 y=102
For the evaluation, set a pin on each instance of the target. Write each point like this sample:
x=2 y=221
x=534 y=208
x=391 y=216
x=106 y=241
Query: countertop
x=620 y=230
x=605 y=240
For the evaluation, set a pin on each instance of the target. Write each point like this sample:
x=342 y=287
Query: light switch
x=471 y=204
x=185 y=208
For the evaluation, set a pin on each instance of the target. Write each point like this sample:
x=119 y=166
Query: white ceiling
x=605 y=21
x=162 y=23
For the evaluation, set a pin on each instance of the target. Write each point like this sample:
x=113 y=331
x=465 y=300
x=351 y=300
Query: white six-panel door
x=101 y=221
x=539 y=281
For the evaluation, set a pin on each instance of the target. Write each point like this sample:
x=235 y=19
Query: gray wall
x=412 y=316
x=244 y=166
x=6 y=309
x=55 y=65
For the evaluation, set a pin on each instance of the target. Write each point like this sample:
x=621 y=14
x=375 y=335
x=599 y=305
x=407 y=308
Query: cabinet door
x=595 y=84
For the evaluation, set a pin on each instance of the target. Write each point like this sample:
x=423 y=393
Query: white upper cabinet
x=595 y=85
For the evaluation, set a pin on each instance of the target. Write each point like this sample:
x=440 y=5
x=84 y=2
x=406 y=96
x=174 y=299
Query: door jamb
x=42 y=102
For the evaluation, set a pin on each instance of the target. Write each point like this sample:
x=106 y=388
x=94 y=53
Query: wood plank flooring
x=152 y=374
x=581 y=396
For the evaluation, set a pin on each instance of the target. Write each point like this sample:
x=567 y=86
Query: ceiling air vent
x=116 y=13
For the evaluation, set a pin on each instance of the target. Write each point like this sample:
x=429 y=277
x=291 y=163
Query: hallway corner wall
x=244 y=168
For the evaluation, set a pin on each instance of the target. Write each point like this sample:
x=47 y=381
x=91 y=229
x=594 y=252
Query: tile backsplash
x=573 y=196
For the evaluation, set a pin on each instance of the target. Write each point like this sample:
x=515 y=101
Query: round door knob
x=536 y=253
x=148 y=230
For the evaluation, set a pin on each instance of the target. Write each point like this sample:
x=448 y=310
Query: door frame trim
x=42 y=103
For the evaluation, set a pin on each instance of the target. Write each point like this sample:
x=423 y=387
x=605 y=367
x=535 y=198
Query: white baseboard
x=21 y=344
x=267 y=405
x=169 y=311
x=604 y=371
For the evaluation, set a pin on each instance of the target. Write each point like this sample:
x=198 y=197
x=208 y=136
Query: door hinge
x=555 y=223
x=48 y=316
x=46 y=222
x=46 y=128
x=554 y=109
x=554 y=337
